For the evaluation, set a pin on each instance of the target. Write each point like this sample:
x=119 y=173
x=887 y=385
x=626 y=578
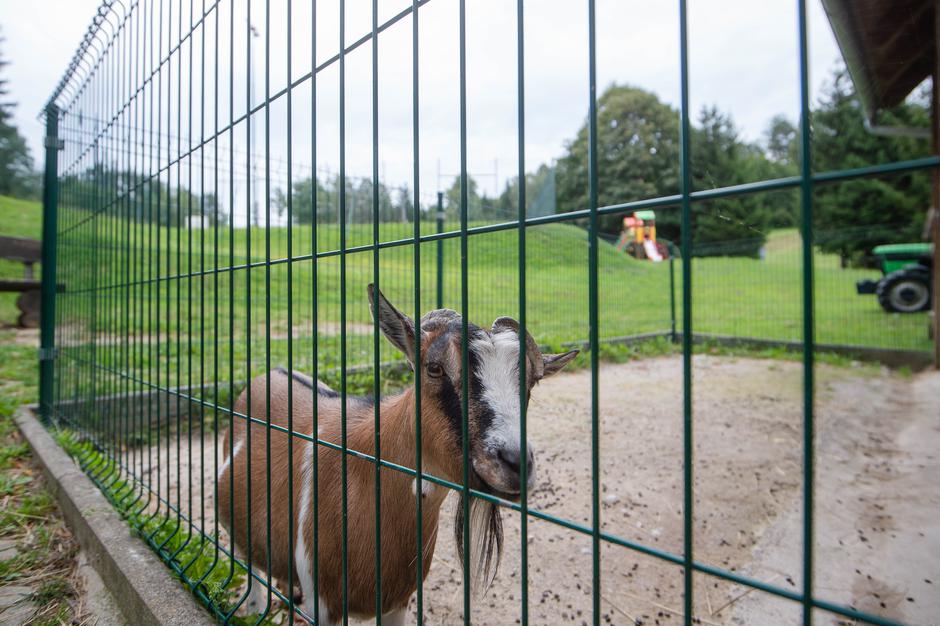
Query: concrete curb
x=141 y=584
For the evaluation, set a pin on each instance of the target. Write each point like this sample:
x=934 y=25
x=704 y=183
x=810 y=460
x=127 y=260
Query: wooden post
x=933 y=224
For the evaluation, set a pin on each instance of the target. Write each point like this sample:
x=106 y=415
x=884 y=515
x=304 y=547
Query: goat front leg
x=258 y=594
x=257 y=598
x=308 y=610
x=394 y=618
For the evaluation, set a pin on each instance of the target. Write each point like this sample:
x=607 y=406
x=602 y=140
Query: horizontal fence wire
x=197 y=256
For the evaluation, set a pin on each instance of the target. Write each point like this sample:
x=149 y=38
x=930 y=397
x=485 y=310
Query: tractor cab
x=905 y=284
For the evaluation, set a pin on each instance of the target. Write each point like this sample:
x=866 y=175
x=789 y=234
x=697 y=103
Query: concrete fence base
x=141 y=584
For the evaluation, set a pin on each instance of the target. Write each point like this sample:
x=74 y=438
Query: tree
x=853 y=216
x=302 y=201
x=638 y=158
x=781 y=141
x=128 y=194
x=452 y=200
x=537 y=184
x=17 y=177
x=781 y=152
x=637 y=153
x=359 y=201
x=405 y=205
x=727 y=226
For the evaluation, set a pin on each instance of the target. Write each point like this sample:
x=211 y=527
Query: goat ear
x=396 y=326
x=554 y=363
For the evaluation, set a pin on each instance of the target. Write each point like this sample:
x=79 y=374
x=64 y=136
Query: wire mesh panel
x=270 y=361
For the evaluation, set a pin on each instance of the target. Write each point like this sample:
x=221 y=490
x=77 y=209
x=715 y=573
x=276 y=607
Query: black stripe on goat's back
x=322 y=388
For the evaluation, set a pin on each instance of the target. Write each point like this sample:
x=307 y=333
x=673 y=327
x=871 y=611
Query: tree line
x=17 y=174
x=638 y=149
x=638 y=158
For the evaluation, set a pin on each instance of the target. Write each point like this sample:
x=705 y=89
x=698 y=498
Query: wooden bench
x=28 y=252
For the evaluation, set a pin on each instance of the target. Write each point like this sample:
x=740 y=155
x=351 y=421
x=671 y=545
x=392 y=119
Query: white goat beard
x=480 y=513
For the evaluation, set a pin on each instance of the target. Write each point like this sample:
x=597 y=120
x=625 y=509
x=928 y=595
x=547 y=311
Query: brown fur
x=441 y=457
x=399 y=519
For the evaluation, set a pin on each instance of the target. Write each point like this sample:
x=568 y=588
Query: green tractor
x=906 y=282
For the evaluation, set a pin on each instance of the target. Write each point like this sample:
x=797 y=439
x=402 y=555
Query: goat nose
x=512 y=459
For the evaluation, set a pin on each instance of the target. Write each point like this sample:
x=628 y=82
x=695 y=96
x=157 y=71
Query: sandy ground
x=877 y=471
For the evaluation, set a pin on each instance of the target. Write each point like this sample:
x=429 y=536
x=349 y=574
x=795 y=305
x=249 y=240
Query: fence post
x=440 y=250
x=672 y=290
x=50 y=199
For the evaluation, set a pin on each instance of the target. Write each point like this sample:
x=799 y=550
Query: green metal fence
x=175 y=295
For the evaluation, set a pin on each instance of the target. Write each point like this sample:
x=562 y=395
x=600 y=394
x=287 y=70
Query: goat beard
x=486 y=541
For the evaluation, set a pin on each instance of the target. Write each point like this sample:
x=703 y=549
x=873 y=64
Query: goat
x=495 y=457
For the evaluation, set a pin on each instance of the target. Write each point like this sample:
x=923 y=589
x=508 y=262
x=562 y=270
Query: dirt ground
x=877 y=470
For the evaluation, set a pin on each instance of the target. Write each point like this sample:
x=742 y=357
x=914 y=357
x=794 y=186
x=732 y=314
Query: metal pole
x=50 y=201
x=688 y=448
x=440 y=250
x=933 y=216
x=809 y=347
x=672 y=291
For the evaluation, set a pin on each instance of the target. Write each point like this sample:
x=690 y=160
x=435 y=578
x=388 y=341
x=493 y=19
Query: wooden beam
x=933 y=224
x=22 y=250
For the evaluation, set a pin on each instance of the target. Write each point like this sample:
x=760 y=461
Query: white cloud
x=742 y=59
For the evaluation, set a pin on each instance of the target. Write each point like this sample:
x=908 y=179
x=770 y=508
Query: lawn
x=38 y=549
x=206 y=325
x=173 y=329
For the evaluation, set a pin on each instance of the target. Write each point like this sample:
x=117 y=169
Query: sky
x=743 y=59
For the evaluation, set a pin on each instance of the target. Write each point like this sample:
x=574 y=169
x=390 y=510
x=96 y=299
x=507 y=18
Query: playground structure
x=638 y=237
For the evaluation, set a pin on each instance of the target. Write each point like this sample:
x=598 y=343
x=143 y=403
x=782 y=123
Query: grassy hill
x=180 y=305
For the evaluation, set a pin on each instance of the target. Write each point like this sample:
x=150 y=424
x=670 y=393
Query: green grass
x=187 y=322
x=172 y=332
x=193 y=557
x=28 y=517
x=762 y=299
x=21 y=218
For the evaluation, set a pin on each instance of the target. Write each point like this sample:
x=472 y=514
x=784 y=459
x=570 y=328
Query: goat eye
x=435 y=370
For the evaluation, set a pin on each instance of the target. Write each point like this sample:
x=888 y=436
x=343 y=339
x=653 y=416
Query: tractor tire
x=905 y=291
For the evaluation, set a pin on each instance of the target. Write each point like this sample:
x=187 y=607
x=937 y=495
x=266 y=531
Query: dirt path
x=878 y=437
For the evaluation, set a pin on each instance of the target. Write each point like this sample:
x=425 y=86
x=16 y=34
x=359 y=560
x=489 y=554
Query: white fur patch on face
x=498 y=371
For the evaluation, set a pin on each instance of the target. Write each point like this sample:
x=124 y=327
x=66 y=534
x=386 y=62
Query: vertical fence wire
x=290 y=321
x=131 y=128
x=593 y=316
x=344 y=471
x=231 y=290
x=249 y=408
x=267 y=300
x=376 y=332
x=315 y=309
x=465 y=317
x=685 y=183
x=806 y=230
x=523 y=353
x=419 y=444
